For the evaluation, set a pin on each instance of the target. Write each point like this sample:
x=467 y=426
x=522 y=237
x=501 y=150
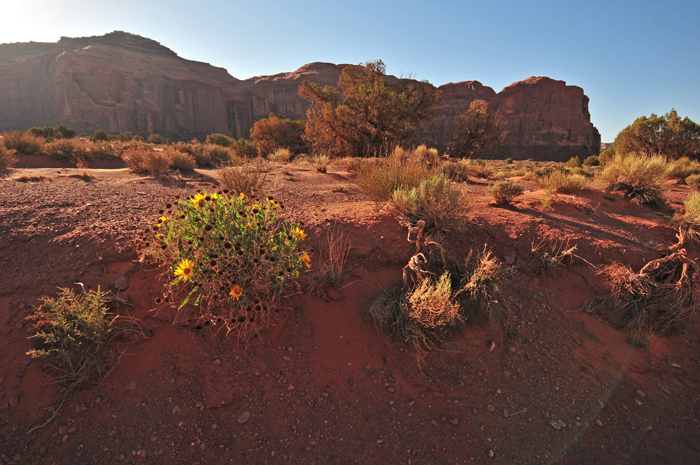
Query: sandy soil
x=321 y=385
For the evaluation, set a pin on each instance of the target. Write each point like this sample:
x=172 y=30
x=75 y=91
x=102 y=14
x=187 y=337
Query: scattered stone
x=131 y=386
x=675 y=365
x=555 y=424
x=380 y=441
x=511 y=349
x=325 y=394
x=646 y=429
x=410 y=404
x=290 y=387
x=639 y=402
x=641 y=393
x=491 y=453
x=62 y=430
x=244 y=418
x=454 y=421
x=490 y=408
x=14 y=400
x=390 y=388
x=80 y=408
x=217 y=362
x=120 y=283
x=598 y=422
x=42 y=450
x=505 y=412
x=98 y=400
x=17 y=458
x=72 y=429
x=286 y=358
x=175 y=409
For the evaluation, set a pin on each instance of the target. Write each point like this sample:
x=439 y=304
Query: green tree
x=219 y=139
x=477 y=131
x=155 y=139
x=100 y=135
x=667 y=135
x=276 y=132
x=367 y=115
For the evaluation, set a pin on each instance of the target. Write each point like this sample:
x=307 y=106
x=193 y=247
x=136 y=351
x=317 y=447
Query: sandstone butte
x=123 y=82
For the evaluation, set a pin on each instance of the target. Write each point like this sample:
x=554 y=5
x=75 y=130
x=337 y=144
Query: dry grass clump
x=642 y=178
x=548 y=255
x=147 y=161
x=24 y=144
x=437 y=294
x=461 y=169
x=435 y=201
x=280 y=156
x=77 y=150
x=693 y=181
x=335 y=248
x=682 y=168
x=180 y=160
x=657 y=299
x=219 y=154
x=691 y=217
x=504 y=192
x=247 y=179
x=378 y=178
x=321 y=163
x=7 y=158
x=561 y=182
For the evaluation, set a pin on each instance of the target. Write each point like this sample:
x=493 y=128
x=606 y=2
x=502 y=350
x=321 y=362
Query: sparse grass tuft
x=561 y=182
x=378 y=178
x=504 y=192
x=335 y=248
x=642 y=178
x=692 y=210
x=280 y=156
x=682 y=168
x=321 y=163
x=693 y=181
x=147 y=161
x=247 y=179
x=435 y=201
x=7 y=158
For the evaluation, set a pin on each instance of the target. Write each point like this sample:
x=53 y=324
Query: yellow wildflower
x=215 y=196
x=243 y=197
x=307 y=260
x=236 y=292
x=249 y=226
x=299 y=233
x=198 y=199
x=272 y=203
x=184 y=269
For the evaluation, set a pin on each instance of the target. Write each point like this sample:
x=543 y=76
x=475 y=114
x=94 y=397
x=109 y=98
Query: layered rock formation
x=122 y=82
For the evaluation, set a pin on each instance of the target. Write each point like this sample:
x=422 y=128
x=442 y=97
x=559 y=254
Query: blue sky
x=631 y=58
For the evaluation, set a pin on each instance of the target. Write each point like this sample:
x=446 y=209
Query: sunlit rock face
x=122 y=82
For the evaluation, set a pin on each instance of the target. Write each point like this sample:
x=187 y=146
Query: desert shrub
x=155 y=139
x=219 y=153
x=247 y=179
x=436 y=201
x=561 y=181
x=321 y=163
x=574 y=162
x=196 y=150
x=335 y=248
x=476 y=168
x=181 y=161
x=147 y=161
x=592 y=161
x=23 y=144
x=660 y=298
x=100 y=136
x=67 y=150
x=7 y=158
x=378 y=178
x=504 y=192
x=580 y=171
x=693 y=181
x=428 y=155
x=682 y=168
x=125 y=136
x=219 y=139
x=642 y=178
x=71 y=332
x=245 y=148
x=138 y=138
x=280 y=156
x=231 y=256
x=104 y=151
x=692 y=210
x=509 y=161
x=276 y=131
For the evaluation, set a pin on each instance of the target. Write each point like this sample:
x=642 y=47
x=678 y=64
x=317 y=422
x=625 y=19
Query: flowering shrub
x=232 y=254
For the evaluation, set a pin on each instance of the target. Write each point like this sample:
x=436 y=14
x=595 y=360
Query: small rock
x=490 y=408
x=675 y=365
x=80 y=408
x=380 y=441
x=72 y=429
x=578 y=424
x=42 y=450
x=21 y=306
x=454 y=421
x=290 y=387
x=641 y=393
x=639 y=402
x=325 y=394
x=505 y=412
x=14 y=400
x=131 y=386
x=286 y=358
x=217 y=362
x=244 y=418
x=598 y=422
x=646 y=429
x=491 y=453
x=511 y=349
x=98 y=400
x=555 y=424
x=17 y=458
x=390 y=388
x=120 y=283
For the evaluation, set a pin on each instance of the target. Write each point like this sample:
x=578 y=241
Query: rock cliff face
x=122 y=82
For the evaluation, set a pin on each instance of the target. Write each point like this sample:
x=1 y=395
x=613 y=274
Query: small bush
x=219 y=153
x=509 y=161
x=156 y=139
x=504 y=192
x=196 y=150
x=244 y=148
x=642 y=178
x=67 y=150
x=104 y=151
x=71 y=332
x=428 y=155
x=23 y=144
x=435 y=201
x=592 y=161
x=125 y=136
x=692 y=210
x=100 y=136
x=280 y=156
x=321 y=163
x=460 y=170
x=7 y=158
x=147 y=161
x=378 y=178
x=574 y=162
x=247 y=179
x=682 y=168
x=232 y=257
x=181 y=161
x=561 y=182
x=693 y=181
x=219 y=139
